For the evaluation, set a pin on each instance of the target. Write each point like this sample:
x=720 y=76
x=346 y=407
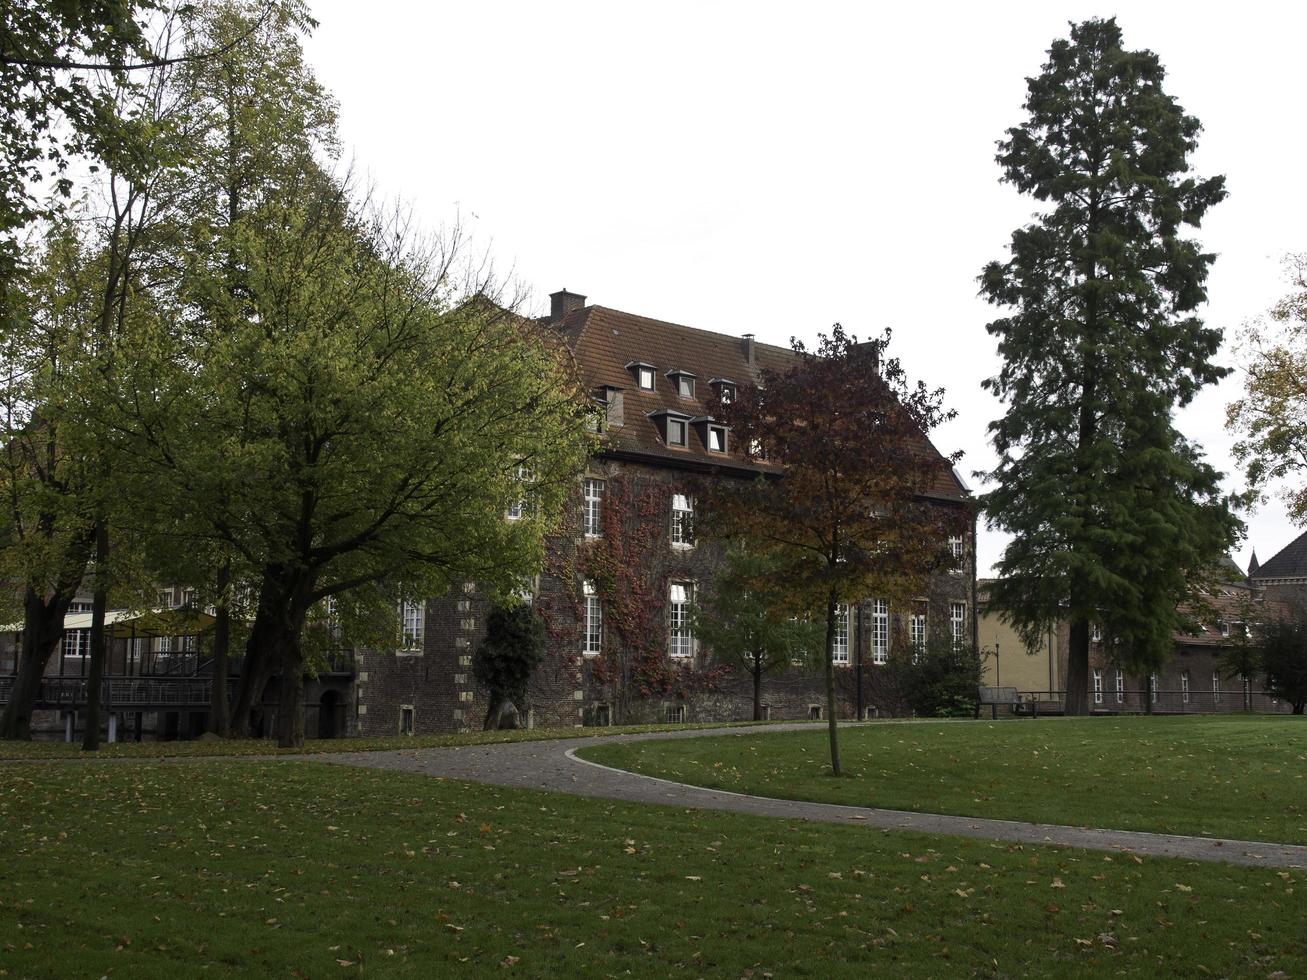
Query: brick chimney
x=562 y=303
x=746 y=347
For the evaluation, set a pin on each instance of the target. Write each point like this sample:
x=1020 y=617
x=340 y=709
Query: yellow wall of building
x=1015 y=666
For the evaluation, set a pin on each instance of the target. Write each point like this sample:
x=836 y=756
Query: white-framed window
x=1096 y=633
x=716 y=438
x=593 y=508
x=517 y=509
x=680 y=638
x=956 y=550
x=412 y=624
x=1216 y=685
x=840 y=651
x=957 y=618
x=682 y=521
x=646 y=377
x=685 y=386
x=594 y=620
x=1098 y=686
x=676 y=432
x=1153 y=685
x=755 y=449
x=1120 y=686
x=77 y=643
x=406 y=717
x=165 y=644
x=1225 y=628
x=80 y=607
x=728 y=394
x=917 y=635
x=1184 y=686
x=167 y=599
x=879 y=631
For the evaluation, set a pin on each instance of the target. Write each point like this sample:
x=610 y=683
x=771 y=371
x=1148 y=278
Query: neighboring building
x=1194 y=679
x=628 y=567
x=1006 y=659
x=1283 y=577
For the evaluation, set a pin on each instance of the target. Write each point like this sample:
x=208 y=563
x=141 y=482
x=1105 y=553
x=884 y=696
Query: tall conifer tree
x=1114 y=515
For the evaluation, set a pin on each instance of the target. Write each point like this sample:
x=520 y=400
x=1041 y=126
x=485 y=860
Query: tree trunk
x=757 y=689
x=492 y=714
x=43 y=627
x=831 y=603
x=255 y=671
x=99 y=606
x=1077 y=669
x=219 y=709
x=290 y=702
x=275 y=642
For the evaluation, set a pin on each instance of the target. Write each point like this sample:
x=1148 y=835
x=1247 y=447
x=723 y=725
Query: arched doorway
x=329 y=714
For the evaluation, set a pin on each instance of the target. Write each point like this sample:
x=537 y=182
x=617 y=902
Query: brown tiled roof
x=604 y=341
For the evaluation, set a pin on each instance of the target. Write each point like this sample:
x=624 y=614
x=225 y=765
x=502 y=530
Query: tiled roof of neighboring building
x=609 y=345
x=1289 y=562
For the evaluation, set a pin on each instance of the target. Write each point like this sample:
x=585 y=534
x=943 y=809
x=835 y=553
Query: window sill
x=591 y=653
x=681 y=546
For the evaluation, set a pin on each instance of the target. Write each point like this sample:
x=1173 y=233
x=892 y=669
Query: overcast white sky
x=776 y=167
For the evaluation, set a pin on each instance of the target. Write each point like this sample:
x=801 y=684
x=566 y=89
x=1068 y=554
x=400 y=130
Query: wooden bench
x=994 y=696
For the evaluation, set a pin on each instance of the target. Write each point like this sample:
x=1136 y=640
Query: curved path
x=553 y=766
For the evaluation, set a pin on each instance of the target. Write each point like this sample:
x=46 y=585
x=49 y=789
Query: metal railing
x=1168 y=702
x=118 y=692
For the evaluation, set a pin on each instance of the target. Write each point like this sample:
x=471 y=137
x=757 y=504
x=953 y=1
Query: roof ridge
x=685 y=326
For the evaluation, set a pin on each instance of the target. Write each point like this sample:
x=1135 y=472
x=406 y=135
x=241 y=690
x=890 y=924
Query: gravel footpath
x=553 y=766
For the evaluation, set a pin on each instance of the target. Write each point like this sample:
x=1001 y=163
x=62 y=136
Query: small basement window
x=676 y=714
x=814 y=712
x=406 y=719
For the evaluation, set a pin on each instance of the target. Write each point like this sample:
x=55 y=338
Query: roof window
x=644 y=374
x=683 y=381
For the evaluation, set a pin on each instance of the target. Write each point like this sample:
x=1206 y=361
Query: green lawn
x=261 y=747
x=1223 y=776
x=297 y=869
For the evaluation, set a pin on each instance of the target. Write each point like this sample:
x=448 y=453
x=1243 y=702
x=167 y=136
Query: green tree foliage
x=52 y=105
x=47 y=533
x=750 y=620
x=364 y=423
x=1281 y=646
x=849 y=517
x=940 y=681
x=1271 y=417
x=1110 y=508
x=505 y=660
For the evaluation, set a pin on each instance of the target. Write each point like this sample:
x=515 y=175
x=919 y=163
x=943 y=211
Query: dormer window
x=674 y=426
x=676 y=432
x=716 y=438
x=683 y=382
x=644 y=374
x=725 y=389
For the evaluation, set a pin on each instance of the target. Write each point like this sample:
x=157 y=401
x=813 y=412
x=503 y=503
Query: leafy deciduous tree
x=1271 y=417
x=1112 y=511
x=750 y=620
x=850 y=516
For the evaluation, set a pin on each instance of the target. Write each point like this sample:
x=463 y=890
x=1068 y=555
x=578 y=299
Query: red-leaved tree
x=847 y=508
